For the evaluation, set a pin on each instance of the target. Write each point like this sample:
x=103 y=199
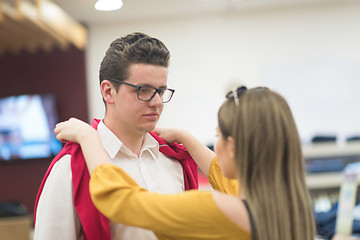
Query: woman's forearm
x=201 y=154
x=93 y=150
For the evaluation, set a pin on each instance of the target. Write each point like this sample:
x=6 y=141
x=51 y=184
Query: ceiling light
x=108 y=5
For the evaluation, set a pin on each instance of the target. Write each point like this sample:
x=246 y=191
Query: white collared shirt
x=56 y=216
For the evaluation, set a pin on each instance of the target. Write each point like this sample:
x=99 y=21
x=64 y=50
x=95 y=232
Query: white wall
x=310 y=54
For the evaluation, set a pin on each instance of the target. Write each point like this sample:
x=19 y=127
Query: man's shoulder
x=63 y=164
x=58 y=177
x=69 y=149
x=62 y=161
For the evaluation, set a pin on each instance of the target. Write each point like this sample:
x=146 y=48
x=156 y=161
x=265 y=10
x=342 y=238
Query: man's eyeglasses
x=235 y=93
x=146 y=93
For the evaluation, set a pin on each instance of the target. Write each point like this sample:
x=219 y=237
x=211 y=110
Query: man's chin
x=149 y=128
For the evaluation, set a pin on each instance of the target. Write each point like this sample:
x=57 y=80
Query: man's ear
x=230 y=145
x=107 y=91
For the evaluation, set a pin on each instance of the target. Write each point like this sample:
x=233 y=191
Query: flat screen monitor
x=27 y=127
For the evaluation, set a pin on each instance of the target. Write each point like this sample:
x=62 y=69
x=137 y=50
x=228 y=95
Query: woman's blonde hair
x=270 y=164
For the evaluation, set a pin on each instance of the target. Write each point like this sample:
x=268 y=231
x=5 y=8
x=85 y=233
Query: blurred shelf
x=328 y=156
x=324 y=150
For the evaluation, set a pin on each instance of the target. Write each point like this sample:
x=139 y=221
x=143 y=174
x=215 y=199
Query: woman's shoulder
x=234 y=209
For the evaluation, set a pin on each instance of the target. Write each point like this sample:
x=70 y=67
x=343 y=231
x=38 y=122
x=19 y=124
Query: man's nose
x=157 y=99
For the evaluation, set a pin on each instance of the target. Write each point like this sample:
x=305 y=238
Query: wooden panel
x=31 y=26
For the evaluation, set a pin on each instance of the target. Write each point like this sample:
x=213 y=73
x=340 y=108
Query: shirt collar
x=151 y=144
x=113 y=145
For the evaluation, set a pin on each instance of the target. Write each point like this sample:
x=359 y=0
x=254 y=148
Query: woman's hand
x=82 y=133
x=73 y=130
x=201 y=154
x=170 y=135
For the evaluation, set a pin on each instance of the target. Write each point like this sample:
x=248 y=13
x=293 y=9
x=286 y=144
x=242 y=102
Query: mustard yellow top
x=189 y=215
x=221 y=183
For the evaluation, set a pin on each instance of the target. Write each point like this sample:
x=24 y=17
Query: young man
x=133 y=82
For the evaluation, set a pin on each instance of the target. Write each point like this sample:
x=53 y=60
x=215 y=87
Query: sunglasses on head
x=235 y=93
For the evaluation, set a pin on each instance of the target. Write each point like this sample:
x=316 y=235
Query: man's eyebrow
x=148 y=85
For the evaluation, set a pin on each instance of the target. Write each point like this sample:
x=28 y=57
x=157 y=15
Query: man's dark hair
x=133 y=48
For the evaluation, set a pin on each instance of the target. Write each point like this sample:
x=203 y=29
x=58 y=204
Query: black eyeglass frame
x=161 y=91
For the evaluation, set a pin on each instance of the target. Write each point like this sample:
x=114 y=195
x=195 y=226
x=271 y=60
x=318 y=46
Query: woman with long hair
x=257 y=174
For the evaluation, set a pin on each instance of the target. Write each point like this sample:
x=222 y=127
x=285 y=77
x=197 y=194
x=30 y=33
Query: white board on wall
x=324 y=95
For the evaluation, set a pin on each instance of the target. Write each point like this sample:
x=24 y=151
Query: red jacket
x=95 y=225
